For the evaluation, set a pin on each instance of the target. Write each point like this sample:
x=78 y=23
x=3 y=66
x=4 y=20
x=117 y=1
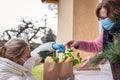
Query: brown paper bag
x=58 y=71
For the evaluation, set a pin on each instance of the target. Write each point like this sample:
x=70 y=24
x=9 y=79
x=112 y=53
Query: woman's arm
x=43 y=47
x=16 y=78
x=92 y=46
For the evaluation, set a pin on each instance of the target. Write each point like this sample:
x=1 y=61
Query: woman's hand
x=71 y=44
x=86 y=63
x=88 y=60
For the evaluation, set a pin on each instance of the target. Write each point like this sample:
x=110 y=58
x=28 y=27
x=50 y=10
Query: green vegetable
x=75 y=61
x=79 y=58
x=65 y=57
x=69 y=54
x=56 y=59
x=78 y=55
x=70 y=50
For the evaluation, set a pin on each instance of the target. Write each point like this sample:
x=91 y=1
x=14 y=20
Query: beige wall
x=77 y=21
x=85 y=23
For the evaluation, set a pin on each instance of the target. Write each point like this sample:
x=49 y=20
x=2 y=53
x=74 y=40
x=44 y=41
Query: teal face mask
x=107 y=23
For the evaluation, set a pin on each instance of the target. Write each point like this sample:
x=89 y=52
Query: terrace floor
x=92 y=75
x=103 y=74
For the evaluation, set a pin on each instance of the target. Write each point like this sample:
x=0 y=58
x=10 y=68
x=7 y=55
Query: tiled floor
x=92 y=75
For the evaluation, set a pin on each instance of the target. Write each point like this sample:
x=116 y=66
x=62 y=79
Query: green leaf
x=70 y=50
x=56 y=59
x=80 y=59
x=78 y=55
x=98 y=59
x=75 y=61
x=65 y=57
x=111 y=53
x=69 y=54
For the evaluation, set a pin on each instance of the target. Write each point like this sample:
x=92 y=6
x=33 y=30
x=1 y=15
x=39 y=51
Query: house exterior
x=76 y=20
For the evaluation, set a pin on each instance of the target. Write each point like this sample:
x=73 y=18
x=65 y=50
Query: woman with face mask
x=17 y=60
x=105 y=13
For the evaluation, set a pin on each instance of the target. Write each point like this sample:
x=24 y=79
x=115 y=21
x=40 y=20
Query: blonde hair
x=14 y=48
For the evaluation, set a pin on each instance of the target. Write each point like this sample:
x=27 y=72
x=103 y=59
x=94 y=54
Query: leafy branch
x=111 y=53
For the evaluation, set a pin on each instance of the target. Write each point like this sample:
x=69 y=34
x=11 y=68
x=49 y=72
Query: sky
x=12 y=11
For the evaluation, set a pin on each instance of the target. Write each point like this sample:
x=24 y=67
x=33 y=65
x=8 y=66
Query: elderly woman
x=17 y=62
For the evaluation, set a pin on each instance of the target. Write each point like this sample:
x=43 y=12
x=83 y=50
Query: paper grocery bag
x=51 y=71
x=66 y=71
x=58 y=71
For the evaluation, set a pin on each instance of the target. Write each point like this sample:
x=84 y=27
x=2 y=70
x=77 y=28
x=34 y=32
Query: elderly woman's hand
x=58 y=47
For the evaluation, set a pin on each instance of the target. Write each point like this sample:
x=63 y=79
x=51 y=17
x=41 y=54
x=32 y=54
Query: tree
x=26 y=29
x=49 y=37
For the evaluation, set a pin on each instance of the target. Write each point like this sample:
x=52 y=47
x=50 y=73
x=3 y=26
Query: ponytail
x=2 y=51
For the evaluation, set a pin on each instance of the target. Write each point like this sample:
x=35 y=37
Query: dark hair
x=112 y=7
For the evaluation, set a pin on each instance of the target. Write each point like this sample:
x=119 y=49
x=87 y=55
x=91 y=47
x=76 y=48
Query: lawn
x=38 y=72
